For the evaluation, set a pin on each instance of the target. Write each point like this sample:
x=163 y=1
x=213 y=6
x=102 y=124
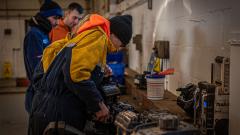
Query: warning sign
x=7 y=70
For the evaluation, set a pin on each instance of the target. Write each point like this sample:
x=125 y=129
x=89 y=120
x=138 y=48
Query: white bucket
x=155 y=88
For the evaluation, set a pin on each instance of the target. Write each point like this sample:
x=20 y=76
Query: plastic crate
x=118 y=72
x=118 y=69
x=118 y=79
x=115 y=57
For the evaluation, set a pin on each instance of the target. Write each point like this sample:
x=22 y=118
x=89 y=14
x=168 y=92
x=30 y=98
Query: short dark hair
x=75 y=6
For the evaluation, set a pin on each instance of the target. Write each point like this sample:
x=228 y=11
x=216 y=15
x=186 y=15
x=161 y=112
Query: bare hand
x=103 y=114
x=107 y=71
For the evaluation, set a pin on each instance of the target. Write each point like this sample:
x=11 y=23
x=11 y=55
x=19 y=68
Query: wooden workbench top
x=139 y=98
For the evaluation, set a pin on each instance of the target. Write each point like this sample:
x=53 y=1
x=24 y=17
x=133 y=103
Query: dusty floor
x=13 y=117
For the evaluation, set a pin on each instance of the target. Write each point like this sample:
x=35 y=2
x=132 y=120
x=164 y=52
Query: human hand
x=107 y=71
x=103 y=114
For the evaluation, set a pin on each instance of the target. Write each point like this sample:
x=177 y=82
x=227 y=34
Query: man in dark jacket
x=37 y=39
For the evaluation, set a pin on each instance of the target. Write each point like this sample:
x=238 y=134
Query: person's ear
x=66 y=13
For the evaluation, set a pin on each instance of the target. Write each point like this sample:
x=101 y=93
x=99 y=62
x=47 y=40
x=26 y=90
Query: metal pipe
x=14 y=16
x=14 y=9
x=21 y=9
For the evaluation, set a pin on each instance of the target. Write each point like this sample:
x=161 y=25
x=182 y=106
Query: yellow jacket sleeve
x=51 y=52
x=90 y=50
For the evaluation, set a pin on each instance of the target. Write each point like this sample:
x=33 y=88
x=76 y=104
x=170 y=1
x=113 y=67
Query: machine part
x=140 y=81
x=108 y=128
x=226 y=75
x=196 y=105
x=206 y=120
x=129 y=122
x=145 y=125
x=221 y=73
x=126 y=121
x=120 y=107
x=110 y=93
x=183 y=129
x=221 y=127
x=168 y=122
x=186 y=98
x=154 y=116
x=110 y=90
x=221 y=78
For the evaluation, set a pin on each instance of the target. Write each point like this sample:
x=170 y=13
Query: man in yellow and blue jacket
x=66 y=80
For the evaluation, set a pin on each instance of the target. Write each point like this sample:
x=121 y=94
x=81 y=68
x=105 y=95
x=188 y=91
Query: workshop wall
x=198 y=31
x=12 y=16
x=11 y=46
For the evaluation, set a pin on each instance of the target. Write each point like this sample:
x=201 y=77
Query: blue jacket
x=34 y=43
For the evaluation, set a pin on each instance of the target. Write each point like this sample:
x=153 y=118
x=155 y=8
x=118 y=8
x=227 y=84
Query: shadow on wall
x=199 y=38
x=189 y=54
x=180 y=37
x=199 y=64
x=180 y=40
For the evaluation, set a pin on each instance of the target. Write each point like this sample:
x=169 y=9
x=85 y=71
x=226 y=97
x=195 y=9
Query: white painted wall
x=16 y=22
x=234 y=108
x=198 y=31
x=10 y=43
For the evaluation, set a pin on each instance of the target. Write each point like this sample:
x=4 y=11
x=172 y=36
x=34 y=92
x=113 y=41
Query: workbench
x=138 y=98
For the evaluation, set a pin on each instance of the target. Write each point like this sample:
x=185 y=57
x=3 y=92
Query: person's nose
x=76 y=21
x=57 y=21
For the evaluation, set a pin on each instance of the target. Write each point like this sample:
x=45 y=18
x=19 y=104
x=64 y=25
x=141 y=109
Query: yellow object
x=157 y=65
x=7 y=70
x=89 y=52
x=91 y=47
x=51 y=52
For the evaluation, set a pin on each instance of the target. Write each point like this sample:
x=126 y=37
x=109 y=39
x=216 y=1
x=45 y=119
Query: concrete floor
x=13 y=117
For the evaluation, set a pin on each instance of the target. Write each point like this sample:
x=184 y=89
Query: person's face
x=116 y=42
x=72 y=18
x=53 y=20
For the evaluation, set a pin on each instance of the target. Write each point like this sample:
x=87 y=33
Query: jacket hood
x=94 y=20
x=40 y=22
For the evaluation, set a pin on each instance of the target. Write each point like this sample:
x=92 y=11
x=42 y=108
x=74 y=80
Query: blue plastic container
x=118 y=79
x=115 y=57
x=118 y=69
x=118 y=72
